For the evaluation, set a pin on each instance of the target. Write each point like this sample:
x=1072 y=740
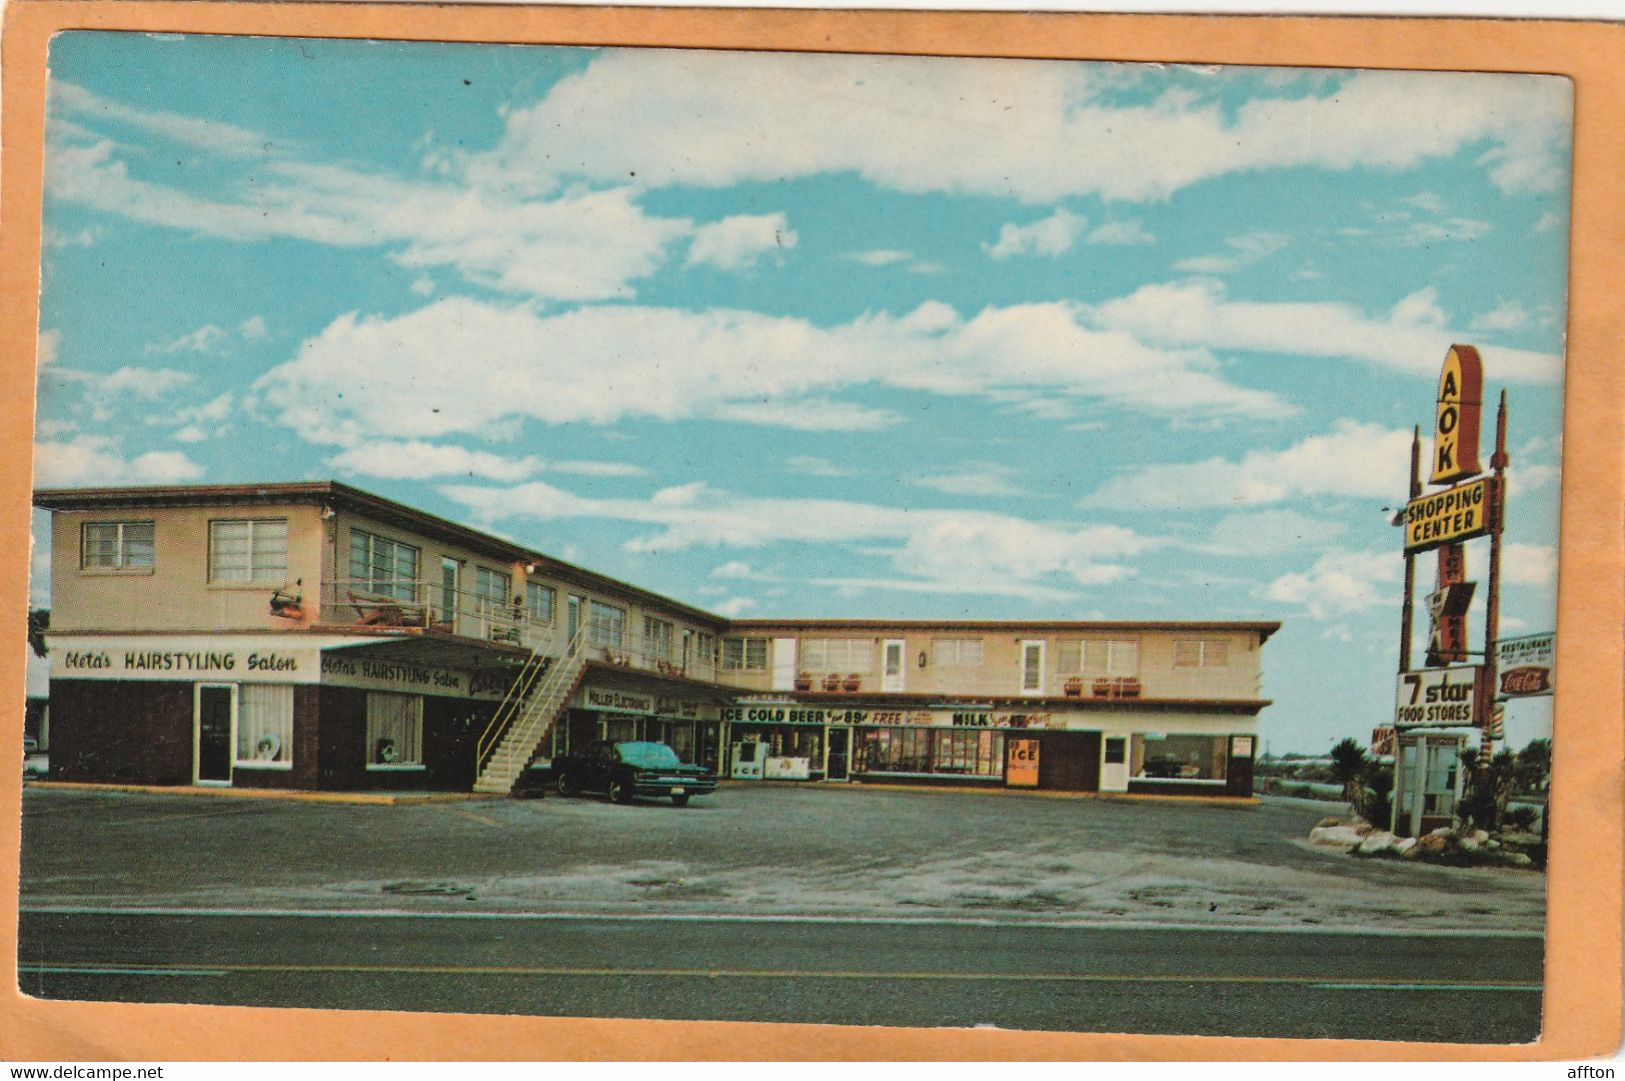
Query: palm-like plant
x=1348 y=764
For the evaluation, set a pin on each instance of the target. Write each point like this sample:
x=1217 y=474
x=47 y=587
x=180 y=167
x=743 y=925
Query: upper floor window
x=744 y=654
x=838 y=655
x=383 y=567
x=248 y=550
x=492 y=588
x=116 y=545
x=705 y=647
x=657 y=637
x=1098 y=657
x=539 y=601
x=606 y=624
x=957 y=652
x=1201 y=653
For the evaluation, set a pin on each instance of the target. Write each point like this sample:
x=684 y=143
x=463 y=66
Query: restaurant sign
x=1442 y=698
x=1455 y=514
x=1525 y=665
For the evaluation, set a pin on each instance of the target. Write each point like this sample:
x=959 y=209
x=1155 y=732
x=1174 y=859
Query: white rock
x=1404 y=844
x=1519 y=859
x=1480 y=836
x=1377 y=841
x=1343 y=836
x=1469 y=844
x=1442 y=831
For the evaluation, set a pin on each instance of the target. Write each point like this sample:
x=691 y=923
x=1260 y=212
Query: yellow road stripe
x=466 y=813
x=781 y=974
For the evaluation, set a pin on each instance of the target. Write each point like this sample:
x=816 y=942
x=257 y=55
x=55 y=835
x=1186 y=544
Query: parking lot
x=759 y=850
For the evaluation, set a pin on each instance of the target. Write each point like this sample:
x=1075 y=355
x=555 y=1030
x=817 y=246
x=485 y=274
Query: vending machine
x=748 y=758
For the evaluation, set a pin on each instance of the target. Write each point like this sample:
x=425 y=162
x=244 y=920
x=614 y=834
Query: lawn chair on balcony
x=379 y=611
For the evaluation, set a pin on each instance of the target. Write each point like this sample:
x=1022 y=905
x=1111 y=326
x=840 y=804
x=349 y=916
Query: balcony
x=413 y=608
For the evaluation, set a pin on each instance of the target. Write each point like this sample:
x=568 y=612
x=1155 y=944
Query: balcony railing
x=372 y=603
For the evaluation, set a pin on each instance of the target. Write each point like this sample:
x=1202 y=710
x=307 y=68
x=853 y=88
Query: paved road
x=1239 y=983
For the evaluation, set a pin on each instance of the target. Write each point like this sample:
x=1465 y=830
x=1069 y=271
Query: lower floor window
x=970 y=751
x=394 y=729
x=1179 y=758
x=786 y=741
x=265 y=724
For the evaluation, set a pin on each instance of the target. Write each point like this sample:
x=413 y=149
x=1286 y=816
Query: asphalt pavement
x=791 y=904
x=1304 y=985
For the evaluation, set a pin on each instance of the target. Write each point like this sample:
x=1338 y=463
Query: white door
x=892 y=674
x=1032 y=666
x=784 y=664
x=1114 y=763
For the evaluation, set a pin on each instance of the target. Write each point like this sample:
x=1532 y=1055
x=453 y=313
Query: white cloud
x=909 y=124
x=954 y=551
x=1412 y=337
x=423 y=285
x=39 y=561
x=1549 y=221
x=1340 y=583
x=205 y=339
x=50 y=343
x=97 y=459
x=974 y=479
x=1509 y=315
x=1245 y=250
x=418 y=460
x=734 y=607
x=1050 y=236
x=598 y=365
x=1352 y=460
x=738 y=569
x=211 y=135
x=1120 y=233
x=816 y=467
x=597 y=469
x=736 y=243
x=253 y=329
x=1267 y=532
x=880 y=257
x=1528 y=564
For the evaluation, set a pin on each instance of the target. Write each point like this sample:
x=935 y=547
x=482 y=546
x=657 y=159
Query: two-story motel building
x=315 y=636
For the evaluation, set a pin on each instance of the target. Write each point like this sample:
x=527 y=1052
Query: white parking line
x=746 y=918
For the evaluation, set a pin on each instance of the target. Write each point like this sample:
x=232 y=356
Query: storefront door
x=1114 y=764
x=214 y=720
x=891 y=679
x=837 y=766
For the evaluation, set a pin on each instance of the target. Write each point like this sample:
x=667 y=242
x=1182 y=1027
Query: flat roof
x=1262 y=628
x=334 y=493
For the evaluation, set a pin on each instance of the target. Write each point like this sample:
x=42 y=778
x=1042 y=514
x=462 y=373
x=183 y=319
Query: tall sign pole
x=1492 y=607
x=1407 y=614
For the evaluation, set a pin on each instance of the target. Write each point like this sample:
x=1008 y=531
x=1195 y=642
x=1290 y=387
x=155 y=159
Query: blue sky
x=820 y=335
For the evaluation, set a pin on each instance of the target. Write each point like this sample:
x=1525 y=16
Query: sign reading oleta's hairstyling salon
x=254 y=659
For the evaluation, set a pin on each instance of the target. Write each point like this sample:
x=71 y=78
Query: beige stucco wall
x=175 y=593
x=1001 y=673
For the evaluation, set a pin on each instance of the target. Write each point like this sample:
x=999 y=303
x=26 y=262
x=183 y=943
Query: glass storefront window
x=1179 y=758
x=977 y=752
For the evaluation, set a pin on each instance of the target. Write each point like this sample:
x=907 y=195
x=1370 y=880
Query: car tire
x=620 y=792
x=680 y=801
x=566 y=786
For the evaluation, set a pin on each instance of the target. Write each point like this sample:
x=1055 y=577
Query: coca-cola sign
x=1529 y=680
x=1525 y=665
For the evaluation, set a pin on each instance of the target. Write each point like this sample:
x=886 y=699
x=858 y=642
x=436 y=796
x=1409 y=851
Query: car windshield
x=649 y=755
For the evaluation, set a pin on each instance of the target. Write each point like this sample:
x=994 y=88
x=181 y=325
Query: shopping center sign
x=1455 y=514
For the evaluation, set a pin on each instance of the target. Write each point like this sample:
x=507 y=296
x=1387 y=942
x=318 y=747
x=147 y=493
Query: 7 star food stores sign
x=1442 y=698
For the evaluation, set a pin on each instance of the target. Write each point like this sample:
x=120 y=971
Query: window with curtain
x=394 y=730
x=383 y=567
x=248 y=550
x=539 y=601
x=838 y=655
x=1097 y=657
x=116 y=545
x=957 y=652
x=1201 y=653
x=606 y=625
x=265 y=725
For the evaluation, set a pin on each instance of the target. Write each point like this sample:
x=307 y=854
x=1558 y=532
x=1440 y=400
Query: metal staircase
x=525 y=716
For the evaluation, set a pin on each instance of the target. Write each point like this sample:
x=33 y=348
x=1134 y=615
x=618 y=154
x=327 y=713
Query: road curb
x=283 y=794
